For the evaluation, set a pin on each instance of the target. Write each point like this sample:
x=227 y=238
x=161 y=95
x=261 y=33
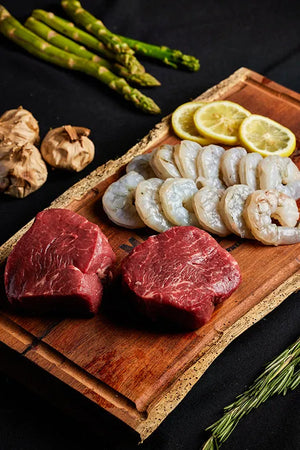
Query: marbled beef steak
x=58 y=265
x=179 y=276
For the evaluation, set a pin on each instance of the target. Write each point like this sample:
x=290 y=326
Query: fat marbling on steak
x=58 y=265
x=179 y=276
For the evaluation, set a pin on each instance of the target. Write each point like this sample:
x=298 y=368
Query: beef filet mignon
x=179 y=276
x=57 y=265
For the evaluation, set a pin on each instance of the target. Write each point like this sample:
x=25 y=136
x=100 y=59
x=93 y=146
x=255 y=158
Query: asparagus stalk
x=280 y=375
x=14 y=31
x=173 y=58
x=124 y=54
x=45 y=32
x=59 y=41
x=68 y=29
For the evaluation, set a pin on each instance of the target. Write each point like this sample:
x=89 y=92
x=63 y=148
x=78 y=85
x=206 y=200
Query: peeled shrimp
x=248 y=170
x=176 y=196
x=185 y=155
x=263 y=205
x=140 y=164
x=163 y=163
x=205 y=203
x=118 y=201
x=231 y=208
x=276 y=172
x=230 y=165
x=292 y=189
x=148 y=205
x=208 y=165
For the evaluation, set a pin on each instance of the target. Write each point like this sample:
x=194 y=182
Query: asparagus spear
x=171 y=57
x=62 y=42
x=68 y=29
x=45 y=32
x=14 y=31
x=174 y=58
x=124 y=54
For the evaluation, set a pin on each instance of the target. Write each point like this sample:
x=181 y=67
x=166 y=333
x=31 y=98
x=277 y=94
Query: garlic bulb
x=19 y=125
x=22 y=169
x=68 y=148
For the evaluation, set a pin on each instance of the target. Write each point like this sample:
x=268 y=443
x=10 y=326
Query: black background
x=261 y=35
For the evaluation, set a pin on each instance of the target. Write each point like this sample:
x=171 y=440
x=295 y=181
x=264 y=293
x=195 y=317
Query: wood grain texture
x=137 y=372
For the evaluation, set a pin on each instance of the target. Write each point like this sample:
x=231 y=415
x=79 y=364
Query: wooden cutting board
x=133 y=371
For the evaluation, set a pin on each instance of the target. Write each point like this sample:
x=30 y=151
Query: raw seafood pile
x=58 y=265
x=179 y=276
x=220 y=191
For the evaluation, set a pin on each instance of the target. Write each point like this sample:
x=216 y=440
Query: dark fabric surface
x=261 y=35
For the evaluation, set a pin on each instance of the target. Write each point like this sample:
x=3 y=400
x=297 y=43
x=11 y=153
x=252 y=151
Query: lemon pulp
x=267 y=137
x=220 y=121
x=183 y=122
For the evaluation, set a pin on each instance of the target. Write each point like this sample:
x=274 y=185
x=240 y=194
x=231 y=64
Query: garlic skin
x=22 y=169
x=68 y=148
x=19 y=126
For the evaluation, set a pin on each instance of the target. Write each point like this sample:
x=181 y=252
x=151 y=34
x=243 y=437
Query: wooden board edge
x=79 y=189
x=51 y=361
x=90 y=387
x=160 y=409
x=54 y=363
x=14 y=336
x=270 y=86
x=180 y=388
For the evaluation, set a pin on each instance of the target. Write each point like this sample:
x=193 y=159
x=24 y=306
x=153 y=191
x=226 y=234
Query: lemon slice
x=267 y=137
x=183 y=122
x=219 y=121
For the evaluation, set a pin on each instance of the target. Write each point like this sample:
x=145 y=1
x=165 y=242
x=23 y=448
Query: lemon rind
x=217 y=137
x=185 y=135
x=286 y=151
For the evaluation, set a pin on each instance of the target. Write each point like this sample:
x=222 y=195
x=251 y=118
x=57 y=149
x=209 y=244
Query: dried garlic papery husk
x=68 y=148
x=22 y=169
x=19 y=125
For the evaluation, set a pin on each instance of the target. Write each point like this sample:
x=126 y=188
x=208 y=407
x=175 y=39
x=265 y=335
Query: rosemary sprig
x=279 y=376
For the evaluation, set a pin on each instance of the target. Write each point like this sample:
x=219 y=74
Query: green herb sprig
x=280 y=375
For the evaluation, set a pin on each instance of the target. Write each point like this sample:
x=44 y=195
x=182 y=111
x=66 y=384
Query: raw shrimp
x=208 y=165
x=276 y=172
x=248 y=170
x=162 y=162
x=118 y=201
x=140 y=164
x=176 y=196
x=230 y=165
x=148 y=205
x=231 y=208
x=206 y=203
x=185 y=155
x=292 y=189
x=263 y=205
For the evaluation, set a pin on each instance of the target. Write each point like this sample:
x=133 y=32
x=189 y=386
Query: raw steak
x=179 y=276
x=57 y=265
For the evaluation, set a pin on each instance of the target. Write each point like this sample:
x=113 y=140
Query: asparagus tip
x=145 y=79
x=3 y=13
x=152 y=107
